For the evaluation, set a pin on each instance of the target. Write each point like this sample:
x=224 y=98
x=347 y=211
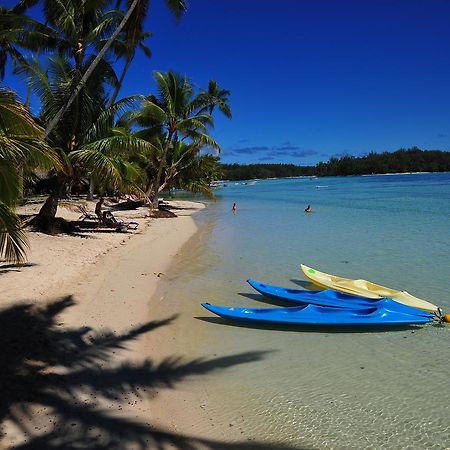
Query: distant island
x=400 y=161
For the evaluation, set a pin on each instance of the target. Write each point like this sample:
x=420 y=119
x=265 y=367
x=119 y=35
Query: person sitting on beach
x=234 y=208
x=109 y=220
x=308 y=209
x=98 y=209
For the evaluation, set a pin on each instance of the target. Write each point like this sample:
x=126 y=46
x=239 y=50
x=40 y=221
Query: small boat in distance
x=217 y=184
x=318 y=315
x=364 y=288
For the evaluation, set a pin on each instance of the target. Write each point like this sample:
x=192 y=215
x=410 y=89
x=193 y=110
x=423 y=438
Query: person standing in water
x=234 y=208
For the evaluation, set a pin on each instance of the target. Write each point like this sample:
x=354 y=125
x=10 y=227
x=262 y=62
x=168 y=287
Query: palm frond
x=197 y=187
x=14 y=117
x=109 y=170
x=177 y=7
x=102 y=126
x=10 y=183
x=116 y=145
x=13 y=240
x=206 y=140
x=150 y=114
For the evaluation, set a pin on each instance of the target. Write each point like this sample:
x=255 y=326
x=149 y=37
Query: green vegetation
x=401 y=161
x=85 y=136
x=21 y=150
x=252 y=171
x=176 y=124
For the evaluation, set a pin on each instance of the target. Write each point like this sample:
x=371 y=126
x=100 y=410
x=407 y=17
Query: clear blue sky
x=311 y=79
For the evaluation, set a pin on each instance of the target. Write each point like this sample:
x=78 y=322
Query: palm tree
x=215 y=96
x=20 y=147
x=175 y=6
x=197 y=177
x=175 y=115
x=18 y=32
x=124 y=49
x=185 y=169
x=133 y=38
x=86 y=138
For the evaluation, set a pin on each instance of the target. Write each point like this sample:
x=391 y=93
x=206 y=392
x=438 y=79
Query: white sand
x=111 y=278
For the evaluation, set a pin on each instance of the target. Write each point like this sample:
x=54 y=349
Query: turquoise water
x=323 y=389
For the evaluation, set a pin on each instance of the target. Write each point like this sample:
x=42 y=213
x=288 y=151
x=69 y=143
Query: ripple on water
x=380 y=390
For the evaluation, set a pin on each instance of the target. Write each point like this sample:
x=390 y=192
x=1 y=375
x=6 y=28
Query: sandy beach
x=87 y=299
x=91 y=353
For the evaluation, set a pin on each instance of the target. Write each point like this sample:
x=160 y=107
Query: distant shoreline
x=333 y=176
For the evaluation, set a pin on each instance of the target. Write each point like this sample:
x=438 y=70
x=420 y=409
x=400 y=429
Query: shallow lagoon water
x=322 y=388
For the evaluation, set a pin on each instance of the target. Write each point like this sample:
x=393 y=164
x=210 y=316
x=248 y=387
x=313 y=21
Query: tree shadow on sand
x=61 y=389
x=6 y=268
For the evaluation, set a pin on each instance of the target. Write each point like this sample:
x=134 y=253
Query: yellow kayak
x=364 y=288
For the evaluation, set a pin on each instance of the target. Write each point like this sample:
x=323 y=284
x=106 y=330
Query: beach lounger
x=110 y=220
x=85 y=214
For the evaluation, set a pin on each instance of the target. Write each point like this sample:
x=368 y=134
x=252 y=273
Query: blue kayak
x=317 y=315
x=333 y=299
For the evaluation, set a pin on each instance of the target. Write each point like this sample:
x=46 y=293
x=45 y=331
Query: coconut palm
x=126 y=49
x=215 y=96
x=187 y=170
x=86 y=138
x=20 y=147
x=18 y=32
x=197 y=176
x=132 y=38
x=175 y=6
x=176 y=114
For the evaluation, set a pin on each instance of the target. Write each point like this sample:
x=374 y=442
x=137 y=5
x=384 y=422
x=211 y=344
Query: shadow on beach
x=6 y=268
x=62 y=390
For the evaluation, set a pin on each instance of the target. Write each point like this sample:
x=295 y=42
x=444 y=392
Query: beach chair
x=111 y=221
x=85 y=214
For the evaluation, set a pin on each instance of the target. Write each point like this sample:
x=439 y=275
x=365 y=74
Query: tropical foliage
x=20 y=148
x=261 y=171
x=76 y=63
x=177 y=123
x=403 y=160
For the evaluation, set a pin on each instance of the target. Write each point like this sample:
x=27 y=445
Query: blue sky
x=311 y=79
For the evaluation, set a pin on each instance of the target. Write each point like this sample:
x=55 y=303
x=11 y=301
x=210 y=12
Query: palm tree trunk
x=29 y=86
x=49 y=208
x=122 y=77
x=149 y=190
x=91 y=189
x=89 y=71
x=160 y=169
x=28 y=98
x=45 y=218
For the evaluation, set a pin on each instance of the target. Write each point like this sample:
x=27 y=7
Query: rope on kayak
x=442 y=317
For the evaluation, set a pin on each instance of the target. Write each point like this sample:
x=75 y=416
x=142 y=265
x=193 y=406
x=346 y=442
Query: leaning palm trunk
x=157 y=184
x=91 y=68
x=122 y=77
